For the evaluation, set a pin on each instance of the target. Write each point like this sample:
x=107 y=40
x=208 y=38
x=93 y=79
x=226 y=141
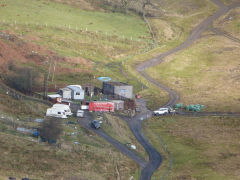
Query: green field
x=55 y=14
x=171 y=30
x=102 y=39
x=204 y=74
x=201 y=148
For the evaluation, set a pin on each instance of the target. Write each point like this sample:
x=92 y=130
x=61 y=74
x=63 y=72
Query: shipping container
x=101 y=106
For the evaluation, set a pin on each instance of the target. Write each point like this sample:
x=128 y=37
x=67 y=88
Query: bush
x=21 y=79
x=50 y=129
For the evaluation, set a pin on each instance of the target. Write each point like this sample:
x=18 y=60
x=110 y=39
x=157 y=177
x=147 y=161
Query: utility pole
x=49 y=70
x=45 y=86
x=54 y=69
x=30 y=81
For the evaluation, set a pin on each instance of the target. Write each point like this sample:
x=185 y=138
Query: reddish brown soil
x=14 y=49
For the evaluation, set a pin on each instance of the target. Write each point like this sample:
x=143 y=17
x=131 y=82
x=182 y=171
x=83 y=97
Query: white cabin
x=66 y=93
x=77 y=92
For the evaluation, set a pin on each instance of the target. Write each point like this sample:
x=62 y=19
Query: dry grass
x=20 y=157
x=9 y=105
x=204 y=74
x=93 y=158
x=229 y=2
x=118 y=129
x=202 y=148
x=171 y=29
x=230 y=22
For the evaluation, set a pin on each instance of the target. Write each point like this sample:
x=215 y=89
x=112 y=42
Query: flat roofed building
x=118 y=88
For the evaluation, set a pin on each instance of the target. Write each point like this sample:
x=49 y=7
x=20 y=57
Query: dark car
x=96 y=124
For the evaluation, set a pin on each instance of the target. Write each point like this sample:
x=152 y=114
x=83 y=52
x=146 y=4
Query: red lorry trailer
x=101 y=106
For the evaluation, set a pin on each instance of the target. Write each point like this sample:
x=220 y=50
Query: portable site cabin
x=66 y=93
x=118 y=89
x=77 y=93
x=64 y=107
x=56 y=112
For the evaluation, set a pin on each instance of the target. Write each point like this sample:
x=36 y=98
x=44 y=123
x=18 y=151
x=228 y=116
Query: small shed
x=118 y=89
x=66 y=93
x=77 y=92
x=118 y=104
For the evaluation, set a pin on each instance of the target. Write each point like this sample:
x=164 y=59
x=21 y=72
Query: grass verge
x=202 y=148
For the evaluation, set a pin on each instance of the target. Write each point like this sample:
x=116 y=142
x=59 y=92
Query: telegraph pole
x=54 y=69
x=45 y=86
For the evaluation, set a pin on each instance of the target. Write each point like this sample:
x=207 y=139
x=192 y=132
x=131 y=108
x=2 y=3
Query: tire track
x=225 y=34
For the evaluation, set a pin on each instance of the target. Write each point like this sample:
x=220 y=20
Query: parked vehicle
x=161 y=111
x=56 y=112
x=64 y=107
x=164 y=111
x=95 y=124
x=84 y=107
x=80 y=113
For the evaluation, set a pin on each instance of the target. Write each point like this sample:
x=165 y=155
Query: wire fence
x=18 y=96
x=165 y=149
x=70 y=28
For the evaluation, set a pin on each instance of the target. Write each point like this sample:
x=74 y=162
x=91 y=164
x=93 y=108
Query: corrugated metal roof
x=65 y=89
x=54 y=96
x=75 y=87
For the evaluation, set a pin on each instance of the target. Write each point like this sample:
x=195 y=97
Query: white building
x=77 y=92
x=66 y=93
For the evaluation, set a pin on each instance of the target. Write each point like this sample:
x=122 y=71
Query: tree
x=21 y=78
x=50 y=129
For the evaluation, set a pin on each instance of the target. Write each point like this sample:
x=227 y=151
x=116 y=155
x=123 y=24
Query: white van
x=161 y=111
x=64 y=107
x=80 y=113
x=55 y=112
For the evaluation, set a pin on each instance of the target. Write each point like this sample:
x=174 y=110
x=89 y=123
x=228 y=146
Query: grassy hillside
x=20 y=108
x=55 y=14
x=21 y=157
x=204 y=74
x=171 y=29
x=24 y=156
x=118 y=129
x=201 y=148
x=101 y=40
x=230 y=23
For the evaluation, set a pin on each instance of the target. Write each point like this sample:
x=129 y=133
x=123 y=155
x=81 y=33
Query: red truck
x=101 y=106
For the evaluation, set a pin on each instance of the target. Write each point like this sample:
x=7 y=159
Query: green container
x=178 y=106
x=194 y=107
